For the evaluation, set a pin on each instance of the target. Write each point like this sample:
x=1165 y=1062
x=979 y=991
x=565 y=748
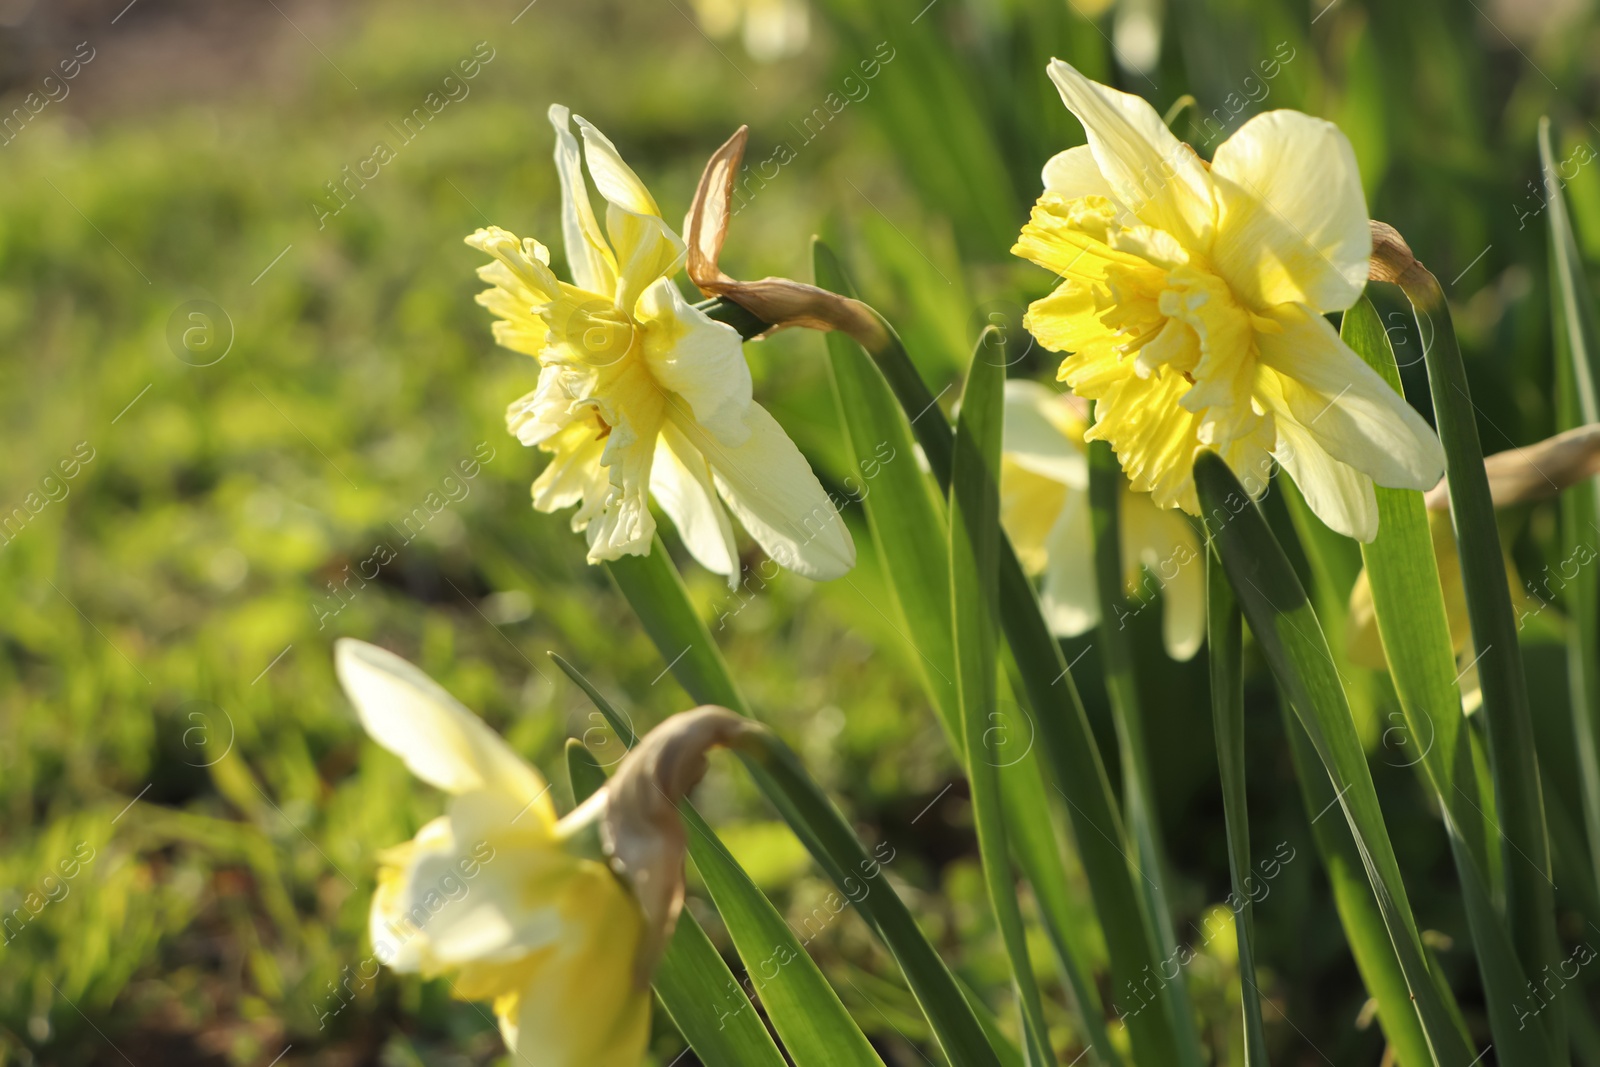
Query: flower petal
x=1162 y=541
x=769 y=486
x=1337 y=493
x=1292 y=221
x=681 y=483
x=590 y=259
x=697 y=357
x=1155 y=175
x=440 y=741
x=646 y=248
x=1043 y=434
x=1344 y=405
x=1030 y=504
x=1074 y=173
x=1070 y=600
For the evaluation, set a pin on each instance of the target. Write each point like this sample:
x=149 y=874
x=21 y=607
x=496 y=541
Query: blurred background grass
x=206 y=503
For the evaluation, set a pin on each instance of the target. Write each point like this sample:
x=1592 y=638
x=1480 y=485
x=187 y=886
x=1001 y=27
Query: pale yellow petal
x=590 y=259
x=1042 y=433
x=1344 y=405
x=1292 y=223
x=698 y=358
x=681 y=483
x=1155 y=175
x=1338 y=494
x=646 y=248
x=770 y=487
x=440 y=741
x=1069 y=599
x=1030 y=504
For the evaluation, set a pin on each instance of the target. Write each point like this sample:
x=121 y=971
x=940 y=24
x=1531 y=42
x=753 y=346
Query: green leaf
x=1291 y=638
x=1577 y=340
x=1353 y=900
x=1409 y=604
x=692 y=980
x=974 y=549
x=1069 y=748
x=904 y=510
x=1530 y=899
x=1138 y=792
x=1225 y=645
x=654 y=588
x=815 y=1027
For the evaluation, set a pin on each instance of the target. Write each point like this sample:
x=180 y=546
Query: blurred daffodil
x=770 y=29
x=558 y=923
x=1516 y=476
x=640 y=394
x=1044 y=506
x=1192 y=305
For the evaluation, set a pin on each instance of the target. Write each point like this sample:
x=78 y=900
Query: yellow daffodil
x=558 y=922
x=1044 y=507
x=640 y=394
x=496 y=894
x=1192 y=305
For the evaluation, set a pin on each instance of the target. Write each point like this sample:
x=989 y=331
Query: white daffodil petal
x=698 y=358
x=590 y=259
x=1039 y=434
x=1155 y=175
x=1070 y=600
x=1338 y=494
x=1346 y=406
x=492 y=917
x=1165 y=541
x=681 y=483
x=440 y=741
x=770 y=488
x=646 y=247
x=1291 y=217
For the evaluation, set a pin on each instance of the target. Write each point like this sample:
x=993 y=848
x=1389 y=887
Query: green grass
x=170 y=728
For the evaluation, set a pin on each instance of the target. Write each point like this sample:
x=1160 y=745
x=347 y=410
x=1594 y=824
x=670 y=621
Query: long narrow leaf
x=1138 y=792
x=974 y=548
x=815 y=1027
x=1158 y=1032
x=903 y=509
x=695 y=985
x=1577 y=337
x=1225 y=644
x=1290 y=636
x=654 y=588
x=1530 y=898
x=1410 y=610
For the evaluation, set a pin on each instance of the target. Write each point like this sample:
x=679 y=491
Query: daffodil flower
x=1044 y=507
x=557 y=922
x=640 y=394
x=1192 y=305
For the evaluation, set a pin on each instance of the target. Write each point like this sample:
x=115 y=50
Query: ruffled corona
x=1192 y=303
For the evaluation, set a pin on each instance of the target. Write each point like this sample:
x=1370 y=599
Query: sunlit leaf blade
x=1286 y=628
x=1070 y=751
x=693 y=981
x=1577 y=338
x=1224 y=644
x=1138 y=791
x=1353 y=900
x=1530 y=900
x=903 y=509
x=655 y=590
x=974 y=548
x=1409 y=604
